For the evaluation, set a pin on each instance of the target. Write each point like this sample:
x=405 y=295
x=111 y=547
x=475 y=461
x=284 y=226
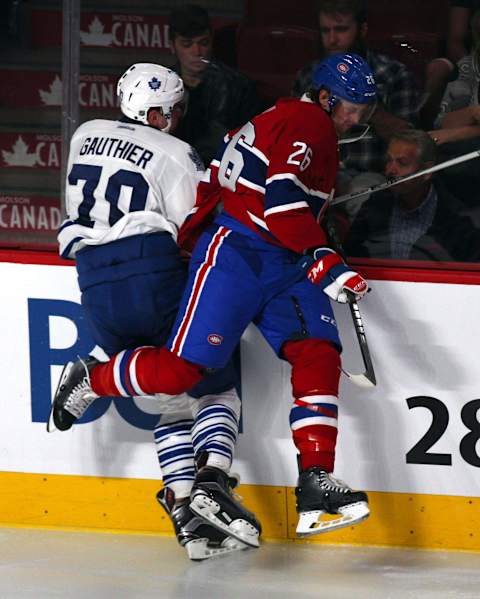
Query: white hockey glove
x=335 y=277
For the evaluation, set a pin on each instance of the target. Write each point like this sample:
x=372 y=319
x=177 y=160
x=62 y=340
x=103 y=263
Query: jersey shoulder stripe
x=286 y=177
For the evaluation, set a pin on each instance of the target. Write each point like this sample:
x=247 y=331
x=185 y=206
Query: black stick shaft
x=353 y=305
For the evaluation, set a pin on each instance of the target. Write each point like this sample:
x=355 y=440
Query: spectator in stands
x=458 y=124
x=459 y=35
x=415 y=220
x=343 y=28
x=218 y=98
x=459 y=116
x=438 y=73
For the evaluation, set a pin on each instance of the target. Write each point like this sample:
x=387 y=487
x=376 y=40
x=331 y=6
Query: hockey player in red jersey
x=264 y=259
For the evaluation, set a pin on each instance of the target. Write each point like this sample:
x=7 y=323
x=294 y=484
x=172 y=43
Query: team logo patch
x=154 y=84
x=343 y=68
x=215 y=339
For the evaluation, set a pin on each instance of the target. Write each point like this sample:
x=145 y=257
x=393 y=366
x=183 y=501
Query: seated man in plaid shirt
x=343 y=28
x=415 y=220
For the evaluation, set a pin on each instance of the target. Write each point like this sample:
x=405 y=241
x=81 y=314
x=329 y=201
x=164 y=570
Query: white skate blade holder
x=311 y=523
x=199 y=550
x=205 y=507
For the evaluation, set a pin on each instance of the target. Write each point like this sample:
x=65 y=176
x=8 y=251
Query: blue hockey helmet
x=347 y=77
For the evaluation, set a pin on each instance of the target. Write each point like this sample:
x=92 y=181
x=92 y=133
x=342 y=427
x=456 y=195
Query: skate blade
x=65 y=372
x=198 y=549
x=240 y=529
x=310 y=523
x=51 y=423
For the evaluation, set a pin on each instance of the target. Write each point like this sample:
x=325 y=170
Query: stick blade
x=362 y=380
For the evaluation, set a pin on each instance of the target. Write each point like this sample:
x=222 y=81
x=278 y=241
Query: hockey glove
x=335 y=277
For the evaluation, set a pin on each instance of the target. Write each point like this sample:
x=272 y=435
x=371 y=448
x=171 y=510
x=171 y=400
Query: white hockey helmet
x=145 y=85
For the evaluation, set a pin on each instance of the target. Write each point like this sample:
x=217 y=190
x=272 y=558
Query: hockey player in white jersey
x=125 y=178
x=129 y=187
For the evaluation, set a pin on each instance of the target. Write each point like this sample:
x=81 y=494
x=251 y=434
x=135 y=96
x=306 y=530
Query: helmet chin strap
x=167 y=127
x=168 y=117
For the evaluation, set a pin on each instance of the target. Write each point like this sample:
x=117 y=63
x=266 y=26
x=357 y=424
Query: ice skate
x=213 y=500
x=73 y=395
x=318 y=493
x=201 y=540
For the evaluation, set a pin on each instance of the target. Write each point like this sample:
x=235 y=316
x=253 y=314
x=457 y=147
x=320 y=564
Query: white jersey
x=125 y=179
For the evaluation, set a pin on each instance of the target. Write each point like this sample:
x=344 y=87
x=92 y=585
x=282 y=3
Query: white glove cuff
x=335 y=289
x=343 y=278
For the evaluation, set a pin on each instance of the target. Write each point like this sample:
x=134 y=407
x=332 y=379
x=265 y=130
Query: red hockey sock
x=316 y=446
x=313 y=418
x=144 y=371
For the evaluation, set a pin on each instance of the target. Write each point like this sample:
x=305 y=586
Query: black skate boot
x=319 y=493
x=213 y=500
x=73 y=395
x=199 y=538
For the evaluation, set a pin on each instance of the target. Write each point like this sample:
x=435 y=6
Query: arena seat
x=412 y=32
x=274 y=42
x=409 y=15
x=302 y=14
x=272 y=54
x=415 y=49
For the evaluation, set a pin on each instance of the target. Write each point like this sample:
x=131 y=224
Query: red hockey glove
x=335 y=277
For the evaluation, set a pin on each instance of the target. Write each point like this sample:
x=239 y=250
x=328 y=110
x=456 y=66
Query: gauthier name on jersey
x=116 y=148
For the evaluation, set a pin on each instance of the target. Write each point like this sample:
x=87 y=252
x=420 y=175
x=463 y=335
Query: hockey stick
x=366 y=378
x=392 y=182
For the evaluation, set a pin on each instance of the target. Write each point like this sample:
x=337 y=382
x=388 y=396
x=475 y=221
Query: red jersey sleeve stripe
x=251 y=185
x=286 y=207
x=290 y=176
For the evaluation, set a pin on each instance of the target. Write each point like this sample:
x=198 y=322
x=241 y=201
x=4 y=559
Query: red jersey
x=274 y=175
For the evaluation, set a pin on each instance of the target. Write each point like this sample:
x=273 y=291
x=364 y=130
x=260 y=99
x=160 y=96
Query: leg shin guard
x=145 y=371
x=215 y=427
x=313 y=417
x=173 y=441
